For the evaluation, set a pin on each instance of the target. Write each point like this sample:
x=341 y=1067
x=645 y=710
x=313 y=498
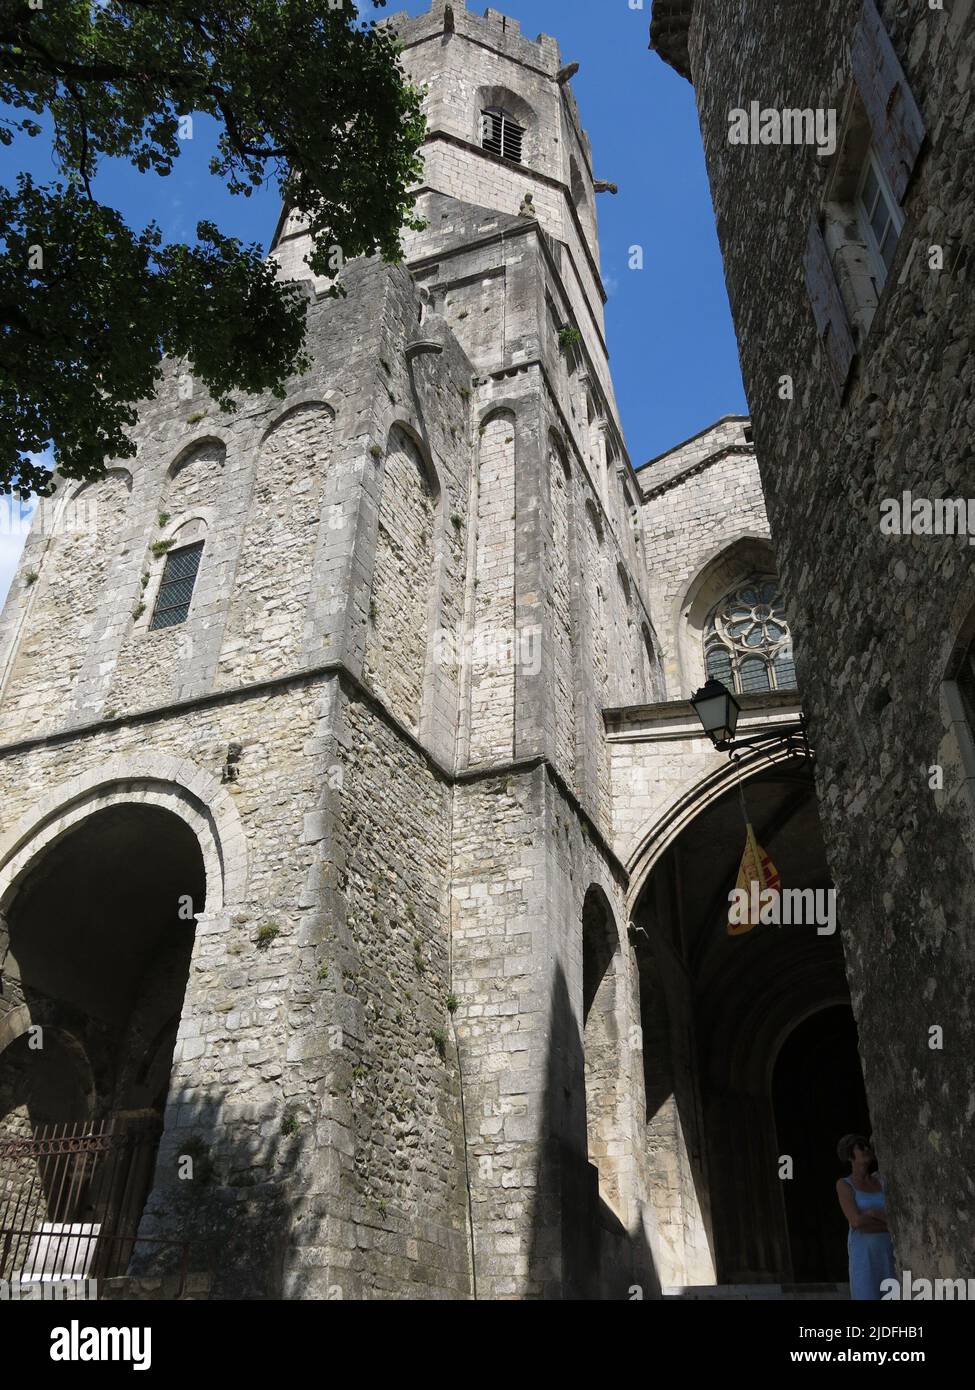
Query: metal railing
x=71 y=1198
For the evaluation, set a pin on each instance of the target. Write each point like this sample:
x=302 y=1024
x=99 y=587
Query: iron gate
x=71 y=1197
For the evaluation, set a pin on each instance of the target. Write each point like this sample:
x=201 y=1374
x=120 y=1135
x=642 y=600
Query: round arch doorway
x=100 y=927
x=729 y=1027
x=817 y=1095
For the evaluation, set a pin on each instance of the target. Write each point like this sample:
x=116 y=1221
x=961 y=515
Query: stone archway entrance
x=817 y=1090
x=100 y=928
x=731 y=1031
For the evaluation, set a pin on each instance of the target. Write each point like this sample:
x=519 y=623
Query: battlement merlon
x=493 y=30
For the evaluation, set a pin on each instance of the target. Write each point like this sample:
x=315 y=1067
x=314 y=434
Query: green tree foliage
x=305 y=95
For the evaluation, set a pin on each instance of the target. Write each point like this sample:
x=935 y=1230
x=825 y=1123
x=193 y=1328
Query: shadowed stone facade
x=881 y=364
x=453 y=1011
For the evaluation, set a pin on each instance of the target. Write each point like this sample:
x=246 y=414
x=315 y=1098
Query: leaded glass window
x=747 y=644
x=176 y=588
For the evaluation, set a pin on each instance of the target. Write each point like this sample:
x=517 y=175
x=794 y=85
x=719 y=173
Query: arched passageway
x=749 y=1056
x=817 y=1092
x=100 y=932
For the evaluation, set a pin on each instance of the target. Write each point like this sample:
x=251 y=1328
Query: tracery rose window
x=747 y=643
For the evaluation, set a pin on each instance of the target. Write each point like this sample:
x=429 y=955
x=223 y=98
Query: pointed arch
x=266 y=632
x=732 y=561
x=398 y=633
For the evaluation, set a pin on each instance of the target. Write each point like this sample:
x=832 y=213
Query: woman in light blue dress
x=863 y=1198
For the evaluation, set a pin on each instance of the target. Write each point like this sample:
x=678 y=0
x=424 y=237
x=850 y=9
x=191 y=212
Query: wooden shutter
x=896 y=123
x=832 y=324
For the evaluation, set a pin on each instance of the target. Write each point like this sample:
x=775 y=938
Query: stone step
x=768 y=1292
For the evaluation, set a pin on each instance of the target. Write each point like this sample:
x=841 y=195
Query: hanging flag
x=757 y=875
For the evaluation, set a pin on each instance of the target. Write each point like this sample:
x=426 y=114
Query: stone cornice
x=675 y=719
x=683 y=443
x=350 y=683
x=698 y=466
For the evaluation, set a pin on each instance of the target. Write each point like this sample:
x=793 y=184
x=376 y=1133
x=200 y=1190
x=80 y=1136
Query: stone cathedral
x=363 y=865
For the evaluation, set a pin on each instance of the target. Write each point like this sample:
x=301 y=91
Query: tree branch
x=76 y=97
x=54 y=66
x=236 y=138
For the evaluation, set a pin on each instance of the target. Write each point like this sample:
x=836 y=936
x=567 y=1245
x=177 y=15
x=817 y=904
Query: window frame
x=895 y=217
x=158 y=609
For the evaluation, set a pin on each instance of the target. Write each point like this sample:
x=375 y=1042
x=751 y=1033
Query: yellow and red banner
x=756 y=876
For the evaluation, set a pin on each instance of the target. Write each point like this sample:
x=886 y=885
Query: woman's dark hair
x=844 y=1149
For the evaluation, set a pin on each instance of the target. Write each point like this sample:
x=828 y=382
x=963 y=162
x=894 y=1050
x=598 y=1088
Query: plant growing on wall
x=266 y=934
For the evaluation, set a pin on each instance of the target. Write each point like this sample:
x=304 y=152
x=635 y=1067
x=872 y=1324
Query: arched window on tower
x=747 y=642
x=501 y=134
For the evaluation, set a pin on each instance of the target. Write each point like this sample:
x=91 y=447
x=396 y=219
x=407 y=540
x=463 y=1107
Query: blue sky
x=671 y=340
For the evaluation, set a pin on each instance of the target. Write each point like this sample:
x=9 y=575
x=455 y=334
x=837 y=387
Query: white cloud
x=13 y=533
x=15 y=519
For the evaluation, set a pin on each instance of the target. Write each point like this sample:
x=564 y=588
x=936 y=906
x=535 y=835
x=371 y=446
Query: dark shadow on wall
x=817 y=1095
x=670 y=1066
x=226 y=1188
x=579 y=1250
x=99 y=955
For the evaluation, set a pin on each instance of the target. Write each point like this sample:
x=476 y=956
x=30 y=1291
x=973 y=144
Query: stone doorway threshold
x=767 y=1292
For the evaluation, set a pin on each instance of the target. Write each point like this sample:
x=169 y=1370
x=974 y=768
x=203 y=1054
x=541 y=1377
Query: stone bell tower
x=360 y=645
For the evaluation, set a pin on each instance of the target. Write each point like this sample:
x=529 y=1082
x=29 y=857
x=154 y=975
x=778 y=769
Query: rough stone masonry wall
x=399 y=609
x=522 y=864
x=230 y=1086
x=876 y=617
x=597 y=625
x=59 y=582
x=276 y=568
x=156 y=659
x=194 y=461
x=562 y=617
x=693 y=451
x=398 y=1224
x=492 y=681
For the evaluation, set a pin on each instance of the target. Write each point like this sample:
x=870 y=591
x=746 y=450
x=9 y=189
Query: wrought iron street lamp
x=718 y=711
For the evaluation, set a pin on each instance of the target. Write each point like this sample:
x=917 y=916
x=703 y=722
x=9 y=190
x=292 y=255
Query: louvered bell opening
x=513 y=136
x=176 y=588
x=492 y=132
x=501 y=136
